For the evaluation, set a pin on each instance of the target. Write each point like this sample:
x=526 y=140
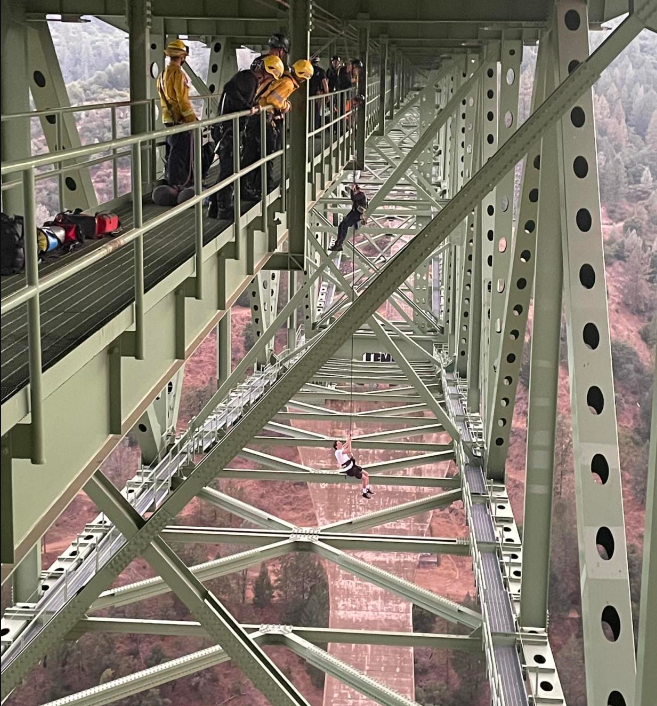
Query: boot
x=336 y=247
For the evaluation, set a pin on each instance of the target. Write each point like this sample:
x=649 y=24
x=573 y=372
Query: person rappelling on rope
x=354 y=218
x=347 y=462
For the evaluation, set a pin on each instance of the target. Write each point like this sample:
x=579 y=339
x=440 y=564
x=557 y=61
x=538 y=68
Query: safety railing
x=136 y=145
x=56 y=117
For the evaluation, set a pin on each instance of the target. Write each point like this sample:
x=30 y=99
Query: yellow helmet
x=303 y=69
x=177 y=48
x=273 y=65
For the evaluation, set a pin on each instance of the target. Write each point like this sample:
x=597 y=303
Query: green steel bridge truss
x=437 y=142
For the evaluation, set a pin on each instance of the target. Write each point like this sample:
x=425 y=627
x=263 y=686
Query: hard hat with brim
x=303 y=69
x=273 y=65
x=177 y=48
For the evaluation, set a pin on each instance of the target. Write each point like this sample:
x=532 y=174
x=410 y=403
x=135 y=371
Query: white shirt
x=343 y=457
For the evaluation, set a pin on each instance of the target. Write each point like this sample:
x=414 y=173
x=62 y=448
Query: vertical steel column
x=48 y=90
x=393 y=83
x=518 y=292
x=606 y=606
x=25 y=579
x=543 y=390
x=470 y=134
x=511 y=56
x=6 y=501
x=474 y=342
x=361 y=122
x=488 y=117
x=138 y=17
x=15 y=98
x=383 y=68
x=224 y=348
x=299 y=18
x=292 y=321
x=646 y=684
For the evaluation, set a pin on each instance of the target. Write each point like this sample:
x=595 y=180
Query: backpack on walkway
x=12 y=251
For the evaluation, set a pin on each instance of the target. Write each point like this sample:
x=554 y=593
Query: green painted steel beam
x=391 y=639
x=273 y=462
x=216 y=619
x=185 y=628
x=328 y=443
x=343 y=672
x=299 y=18
x=394 y=513
x=646 y=674
x=150 y=588
x=543 y=386
x=378 y=419
x=243 y=510
x=334 y=477
x=138 y=682
x=605 y=586
x=345 y=542
x=438 y=605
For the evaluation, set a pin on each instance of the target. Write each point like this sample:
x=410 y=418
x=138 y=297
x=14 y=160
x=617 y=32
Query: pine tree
x=263 y=588
x=316 y=611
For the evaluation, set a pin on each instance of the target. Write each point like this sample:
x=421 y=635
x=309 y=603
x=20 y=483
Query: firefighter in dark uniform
x=332 y=73
x=354 y=218
x=240 y=93
x=279 y=45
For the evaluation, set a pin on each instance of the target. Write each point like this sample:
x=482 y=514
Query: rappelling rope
x=351 y=363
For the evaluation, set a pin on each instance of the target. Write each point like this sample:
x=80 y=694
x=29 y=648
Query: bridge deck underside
x=75 y=309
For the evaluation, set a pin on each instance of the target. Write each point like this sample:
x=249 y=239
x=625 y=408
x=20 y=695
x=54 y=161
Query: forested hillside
x=94 y=59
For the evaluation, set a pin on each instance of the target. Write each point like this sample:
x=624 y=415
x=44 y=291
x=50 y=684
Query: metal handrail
x=30 y=293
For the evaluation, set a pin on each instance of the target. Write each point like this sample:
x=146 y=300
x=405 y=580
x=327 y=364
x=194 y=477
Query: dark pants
x=179 y=167
x=253 y=152
x=224 y=198
x=351 y=219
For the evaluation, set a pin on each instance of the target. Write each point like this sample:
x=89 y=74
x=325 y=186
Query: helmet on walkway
x=303 y=69
x=336 y=58
x=177 y=47
x=278 y=40
x=314 y=60
x=273 y=66
x=357 y=63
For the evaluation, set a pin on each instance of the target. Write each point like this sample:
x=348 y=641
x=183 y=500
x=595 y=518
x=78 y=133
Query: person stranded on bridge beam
x=354 y=218
x=241 y=93
x=276 y=95
x=279 y=45
x=173 y=90
x=345 y=458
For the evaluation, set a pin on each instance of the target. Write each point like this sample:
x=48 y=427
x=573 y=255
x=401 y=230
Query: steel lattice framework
x=418 y=328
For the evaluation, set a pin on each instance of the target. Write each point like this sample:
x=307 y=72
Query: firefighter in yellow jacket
x=276 y=95
x=173 y=90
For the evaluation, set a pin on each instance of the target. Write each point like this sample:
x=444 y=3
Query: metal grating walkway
x=75 y=309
